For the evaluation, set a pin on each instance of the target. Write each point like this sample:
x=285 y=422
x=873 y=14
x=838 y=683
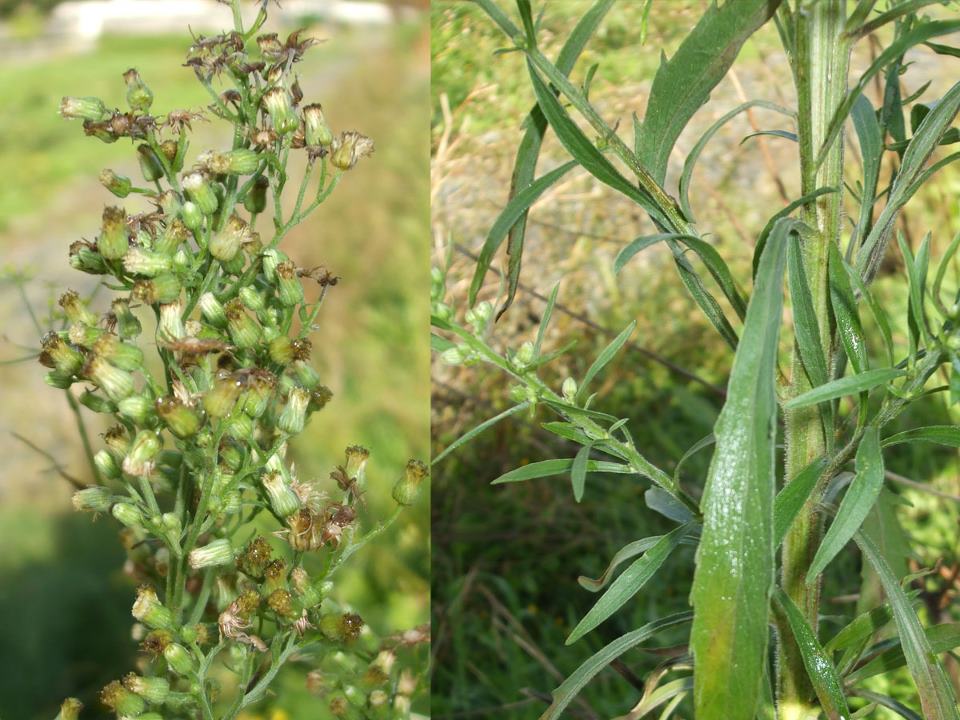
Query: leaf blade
x=849 y=385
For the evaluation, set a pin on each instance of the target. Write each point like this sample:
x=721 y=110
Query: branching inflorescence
x=196 y=462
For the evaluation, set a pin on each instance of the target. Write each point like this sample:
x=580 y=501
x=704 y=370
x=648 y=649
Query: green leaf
x=735 y=563
x=843 y=303
x=524 y=167
x=627 y=552
x=942 y=638
x=948 y=435
x=936 y=693
x=785 y=212
x=792 y=497
x=844 y=386
x=570 y=687
x=567 y=431
x=660 y=501
x=917 y=280
x=690 y=163
x=912 y=173
x=546 y=468
x=856 y=503
x=854 y=637
x=605 y=356
x=806 y=326
x=470 y=434
x=823 y=675
x=879 y=314
x=518 y=205
x=703 y=442
x=545 y=320
x=440 y=344
x=871 y=152
x=630 y=582
x=785 y=134
x=683 y=83
x=578 y=471
x=888 y=702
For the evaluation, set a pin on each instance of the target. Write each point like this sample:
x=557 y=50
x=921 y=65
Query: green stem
x=821 y=58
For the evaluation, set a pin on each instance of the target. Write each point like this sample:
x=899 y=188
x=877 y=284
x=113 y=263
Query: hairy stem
x=821 y=58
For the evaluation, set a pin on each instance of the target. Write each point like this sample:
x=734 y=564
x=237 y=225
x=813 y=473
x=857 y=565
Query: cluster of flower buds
x=202 y=419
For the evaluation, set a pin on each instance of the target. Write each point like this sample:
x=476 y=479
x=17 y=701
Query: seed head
x=350 y=148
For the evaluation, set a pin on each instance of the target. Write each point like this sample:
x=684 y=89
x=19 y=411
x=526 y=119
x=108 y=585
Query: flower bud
x=84 y=335
x=97 y=403
x=112 y=243
x=256 y=398
x=115 y=383
x=75 y=309
x=341 y=628
x=117 y=184
x=255 y=201
x=294 y=412
x=58 y=380
x=201 y=193
x=281 y=602
x=271 y=259
x=139 y=96
x=70 y=709
x=242 y=161
x=93 y=499
x=211 y=310
x=305 y=374
x=349 y=148
x=163 y=289
x=128 y=326
x=106 y=464
x=220 y=400
x=216 y=552
x=252 y=299
x=182 y=419
x=289 y=289
x=173 y=236
x=170 y=327
x=319 y=397
x=407 y=487
x=55 y=352
x=151 y=612
x=83 y=108
x=125 y=703
x=118 y=353
x=226 y=243
x=85 y=258
x=281 y=350
x=137 y=408
x=139 y=460
x=316 y=132
x=244 y=331
x=128 y=515
x=357 y=457
x=179 y=659
x=154 y=690
x=283 y=500
x=525 y=355
x=191 y=215
x=171 y=529
x=276 y=100
x=255 y=557
x=238 y=426
x=150 y=164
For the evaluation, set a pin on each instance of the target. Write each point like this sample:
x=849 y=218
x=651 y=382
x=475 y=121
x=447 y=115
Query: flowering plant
x=217 y=524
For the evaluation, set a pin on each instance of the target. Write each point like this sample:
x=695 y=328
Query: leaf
x=578 y=471
x=845 y=312
x=773 y=133
x=546 y=468
x=948 y=435
x=889 y=703
x=855 y=636
x=684 y=82
x=470 y=434
x=570 y=687
x=823 y=675
x=440 y=344
x=856 y=503
x=627 y=552
x=792 y=497
x=936 y=693
x=694 y=154
x=917 y=280
x=691 y=451
x=545 y=319
x=659 y=500
x=942 y=638
x=528 y=152
x=785 y=212
x=879 y=314
x=630 y=582
x=912 y=173
x=849 y=385
x=871 y=152
x=806 y=326
x=605 y=356
x=518 y=205
x=735 y=563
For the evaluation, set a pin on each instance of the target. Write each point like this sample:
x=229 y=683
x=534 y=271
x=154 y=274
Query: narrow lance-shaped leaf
x=792 y=497
x=935 y=690
x=735 y=563
x=568 y=690
x=948 y=435
x=605 y=356
x=627 y=552
x=785 y=212
x=942 y=638
x=856 y=503
x=470 y=434
x=871 y=152
x=547 y=468
x=528 y=152
x=684 y=82
x=844 y=386
x=806 y=326
x=578 y=472
x=823 y=675
x=630 y=582
x=843 y=303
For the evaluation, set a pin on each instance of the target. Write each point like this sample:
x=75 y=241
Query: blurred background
x=64 y=600
x=507 y=557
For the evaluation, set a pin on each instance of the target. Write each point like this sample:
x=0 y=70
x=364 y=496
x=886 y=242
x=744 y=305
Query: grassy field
x=508 y=557
x=61 y=585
